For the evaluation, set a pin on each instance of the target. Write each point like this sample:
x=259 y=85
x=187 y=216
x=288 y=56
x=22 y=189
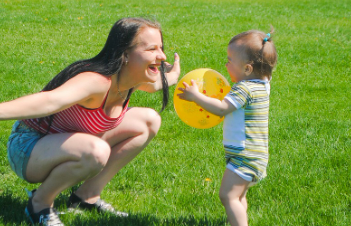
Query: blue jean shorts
x=20 y=145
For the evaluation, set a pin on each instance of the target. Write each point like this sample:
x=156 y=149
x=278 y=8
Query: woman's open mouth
x=154 y=69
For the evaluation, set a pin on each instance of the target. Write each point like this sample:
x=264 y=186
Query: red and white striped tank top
x=78 y=119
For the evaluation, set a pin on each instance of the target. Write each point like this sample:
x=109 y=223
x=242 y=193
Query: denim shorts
x=20 y=145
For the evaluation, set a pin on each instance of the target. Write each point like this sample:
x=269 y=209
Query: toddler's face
x=236 y=63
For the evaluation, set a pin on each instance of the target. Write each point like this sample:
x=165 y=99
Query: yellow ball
x=210 y=83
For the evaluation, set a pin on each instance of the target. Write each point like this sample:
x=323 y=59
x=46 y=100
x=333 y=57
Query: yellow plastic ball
x=210 y=83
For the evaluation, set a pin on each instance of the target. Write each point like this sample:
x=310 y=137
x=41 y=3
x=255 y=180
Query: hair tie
x=267 y=37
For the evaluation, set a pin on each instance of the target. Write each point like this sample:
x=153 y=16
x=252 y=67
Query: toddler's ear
x=248 y=69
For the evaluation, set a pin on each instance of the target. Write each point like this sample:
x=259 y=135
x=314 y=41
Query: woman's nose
x=161 y=56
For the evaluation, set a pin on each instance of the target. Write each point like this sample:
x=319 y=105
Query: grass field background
x=176 y=179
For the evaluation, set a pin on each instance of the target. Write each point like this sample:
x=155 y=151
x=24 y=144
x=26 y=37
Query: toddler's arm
x=213 y=105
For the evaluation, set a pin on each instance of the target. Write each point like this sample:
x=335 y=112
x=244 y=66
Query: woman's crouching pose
x=80 y=129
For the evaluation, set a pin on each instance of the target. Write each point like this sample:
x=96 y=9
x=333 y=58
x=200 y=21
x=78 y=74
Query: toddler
x=251 y=59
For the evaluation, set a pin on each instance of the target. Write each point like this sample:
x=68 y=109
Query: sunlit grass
x=176 y=179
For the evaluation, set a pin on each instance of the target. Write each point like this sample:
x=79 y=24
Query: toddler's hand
x=189 y=92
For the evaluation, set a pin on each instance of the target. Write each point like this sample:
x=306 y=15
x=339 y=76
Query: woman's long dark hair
x=110 y=60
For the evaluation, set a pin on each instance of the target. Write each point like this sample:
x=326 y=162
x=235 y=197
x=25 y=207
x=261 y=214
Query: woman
x=80 y=129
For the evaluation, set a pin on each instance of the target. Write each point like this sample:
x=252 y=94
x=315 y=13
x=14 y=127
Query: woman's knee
x=96 y=155
x=153 y=120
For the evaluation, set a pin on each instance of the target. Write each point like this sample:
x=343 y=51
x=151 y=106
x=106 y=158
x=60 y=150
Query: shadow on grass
x=12 y=210
x=12 y=213
x=145 y=220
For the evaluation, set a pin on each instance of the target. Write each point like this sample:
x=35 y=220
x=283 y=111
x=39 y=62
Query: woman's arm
x=77 y=90
x=213 y=105
x=172 y=75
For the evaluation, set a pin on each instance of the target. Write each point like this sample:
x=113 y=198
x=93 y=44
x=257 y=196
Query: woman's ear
x=248 y=69
x=125 y=58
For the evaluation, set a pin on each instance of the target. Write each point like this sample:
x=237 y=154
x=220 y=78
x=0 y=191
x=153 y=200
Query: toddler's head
x=251 y=55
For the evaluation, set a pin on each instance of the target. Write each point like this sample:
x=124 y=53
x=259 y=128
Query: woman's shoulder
x=86 y=84
x=93 y=80
x=91 y=86
x=94 y=76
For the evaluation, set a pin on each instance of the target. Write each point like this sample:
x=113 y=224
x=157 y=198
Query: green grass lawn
x=176 y=179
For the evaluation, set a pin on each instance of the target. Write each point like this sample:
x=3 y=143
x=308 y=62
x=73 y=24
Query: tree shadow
x=12 y=213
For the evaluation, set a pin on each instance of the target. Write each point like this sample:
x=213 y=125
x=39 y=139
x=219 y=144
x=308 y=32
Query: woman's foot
x=45 y=217
x=101 y=206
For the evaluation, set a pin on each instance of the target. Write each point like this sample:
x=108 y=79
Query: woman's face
x=145 y=58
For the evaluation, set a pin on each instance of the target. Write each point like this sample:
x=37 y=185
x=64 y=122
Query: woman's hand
x=173 y=71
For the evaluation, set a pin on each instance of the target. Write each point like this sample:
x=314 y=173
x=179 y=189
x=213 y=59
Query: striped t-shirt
x=245 y=131
x=78 y=119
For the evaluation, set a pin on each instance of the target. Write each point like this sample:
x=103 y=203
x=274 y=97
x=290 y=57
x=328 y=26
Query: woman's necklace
x=119 y=93
x=124 y=96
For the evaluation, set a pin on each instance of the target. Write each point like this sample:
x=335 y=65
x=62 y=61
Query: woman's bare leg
x=138 y=128
x=60 y=161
